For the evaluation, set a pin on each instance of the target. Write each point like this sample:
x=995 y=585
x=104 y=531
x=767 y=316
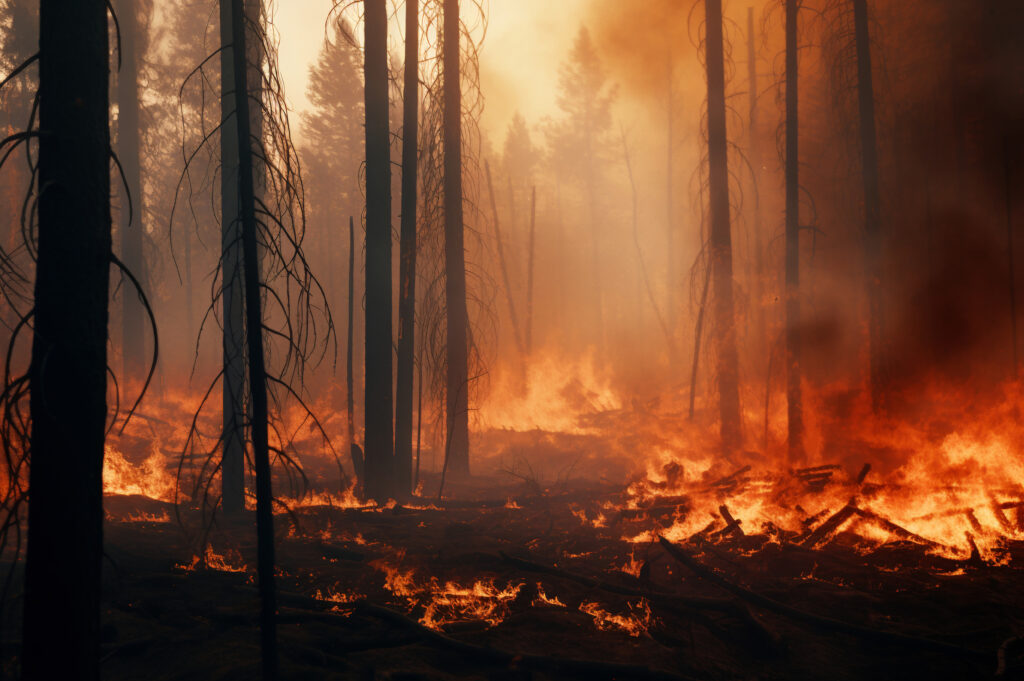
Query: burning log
x=732 y=525
x=731 y=480
x=811 y=619
x=830 y=527
x=893 y=528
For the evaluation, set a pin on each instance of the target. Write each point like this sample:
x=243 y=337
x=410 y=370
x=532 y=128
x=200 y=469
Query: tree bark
x=872 y=202
x=794 y=400
x=131 y=221
x=68 y=371
x=754 y=154
x=233 y=342
x=721 y=237
x=407 y=273
x=457 y=393
x=379 y=446
x=254 y=343
x=357 y=457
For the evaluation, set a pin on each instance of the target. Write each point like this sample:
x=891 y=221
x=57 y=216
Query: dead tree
x=68 y=372
x=721 y=237
x=132 y=213
x=528 y=340
x=793 y=376
x=872 y=202
x=233 y=340
x=254 y=344
x=407 y=247
x=457 y=385
x=353 y=448
x=378 y=443
x=754 y=155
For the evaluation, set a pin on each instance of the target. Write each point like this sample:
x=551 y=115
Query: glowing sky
x=525 y=43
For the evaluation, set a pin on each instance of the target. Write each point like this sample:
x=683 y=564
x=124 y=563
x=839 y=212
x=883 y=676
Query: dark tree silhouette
x=68 y=372
x=721 y=236
x=378 y=443
x=407 y=248
x=254 y=340
x=131 y=216
x=795 y=418
x=457 y=387
x=872 y=201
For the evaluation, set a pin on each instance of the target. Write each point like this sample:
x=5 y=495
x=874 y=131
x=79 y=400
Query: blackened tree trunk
x=354 y=451
x=754 y=155
x=793 y=386
x=68 y=372
x=254 y=347
x=530 y=249
x=380 y=463
x=457 y=389
x=131 y=222
x=233 y=339
x=872 y=202
x=407 y=268
x=721 y=237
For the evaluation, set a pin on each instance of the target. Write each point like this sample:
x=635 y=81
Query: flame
x=451 y=601
x=211 y=560
x=637 y=622
x=150 y=479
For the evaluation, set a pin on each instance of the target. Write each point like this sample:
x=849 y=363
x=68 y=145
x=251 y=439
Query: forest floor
x=514 y=583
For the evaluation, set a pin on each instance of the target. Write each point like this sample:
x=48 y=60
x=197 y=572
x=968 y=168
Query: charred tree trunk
x=407 y=273
x=378 y=444
x=68 y=372
x=457 y=392
x=254 y=347
x=794 y=400
x=754 y=155
x=233 y=340
x=1012 y=270
x=503 y=263
x=529 y=271
x=670 y=214
x=132 y=213
x=353 y=448
x=721 y=237
x=872 y=202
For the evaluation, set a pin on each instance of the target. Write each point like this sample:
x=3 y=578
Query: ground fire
x=442 y=339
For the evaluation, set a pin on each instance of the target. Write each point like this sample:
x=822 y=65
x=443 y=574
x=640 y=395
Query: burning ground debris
x=477 y=586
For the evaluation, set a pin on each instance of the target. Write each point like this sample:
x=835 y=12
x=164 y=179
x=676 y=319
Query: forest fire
x=519 y=340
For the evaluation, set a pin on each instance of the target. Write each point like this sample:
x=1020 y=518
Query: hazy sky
x=526 y=41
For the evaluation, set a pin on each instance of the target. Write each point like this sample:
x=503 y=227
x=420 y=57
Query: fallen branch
x=818 y=621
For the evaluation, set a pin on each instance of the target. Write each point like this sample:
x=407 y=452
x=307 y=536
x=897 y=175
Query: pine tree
x=68 y=372
x=379 y=446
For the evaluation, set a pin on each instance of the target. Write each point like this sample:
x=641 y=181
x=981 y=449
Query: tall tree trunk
x=793 y=377
x=503 y=264
x=68 y=372
x=721 y=236
x=529 y=271
x=457 y=391
x=233 y=340
x=872 y=202
x=407 y=269
x=254 y=341
x=671 y=256
x=380 y=464
x=754 y=155
x=358 y=463
x=130 y=222
x=1012 y=270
